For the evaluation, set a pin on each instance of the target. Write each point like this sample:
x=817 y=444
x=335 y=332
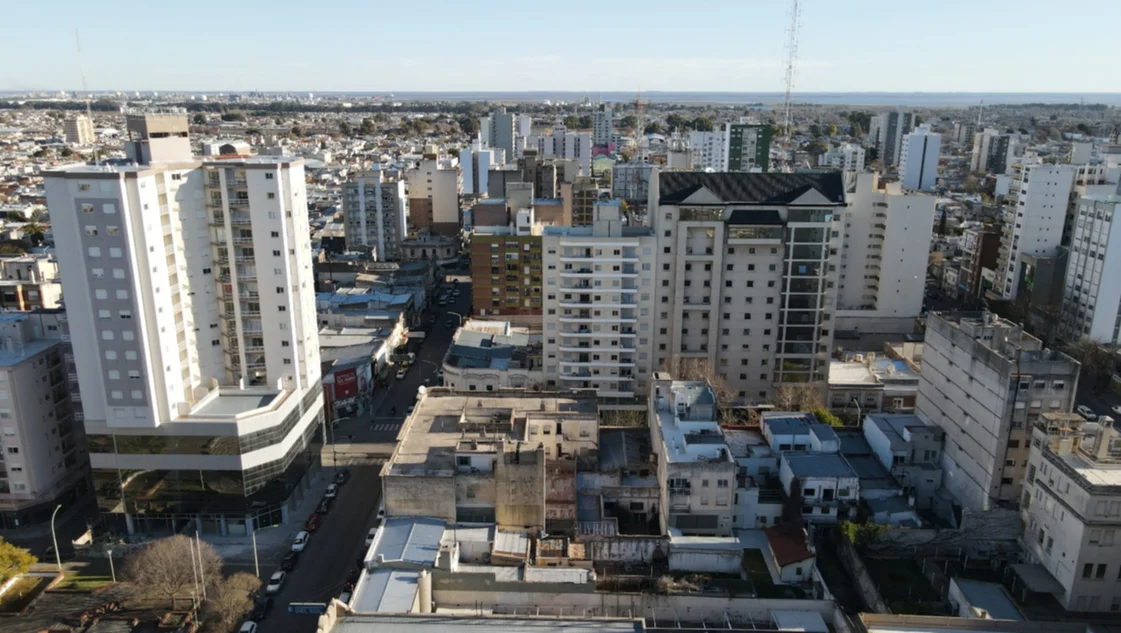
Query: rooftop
x=443 y=419
x=480 y=350
x=409 y=540
x=818 y=465
x=386 y=590
x=440 y=623
x=757 y=188
x=851 y=373
x=26 y=350
x=687 y=423
x=897 y=428
x=232 y=402
x=990 y=597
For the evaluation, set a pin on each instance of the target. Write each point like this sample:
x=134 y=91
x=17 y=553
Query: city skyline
x=619 y=47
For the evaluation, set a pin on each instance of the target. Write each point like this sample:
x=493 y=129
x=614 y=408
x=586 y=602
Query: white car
x=300 y=541
x=1116 y=410
x=344 y=597
x=370 y=536
x=400 y=374
x=276 y=581
x=248 y=627
x=332 y=491
x=1086 y=412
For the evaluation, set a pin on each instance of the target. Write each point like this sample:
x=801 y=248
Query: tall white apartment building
x=884 y=256
x=603 y=125
x=986 y=382
x=993 y=152
x=1034 y=215
x=741 y=146
x=891 y=128
x=918 y=161
x=845 y=157
x=599 y=289
x=42 y=452
x=709 y=149
x=1092 y=292
x=79 y=130
x=747 y=271
x=501 y=131
x=433 y=188
x=563 y=143
x=189 y=290
x=695 y=465
x=1071 y=511
x=375 y=214
x=476 y=162
x=1090 y=180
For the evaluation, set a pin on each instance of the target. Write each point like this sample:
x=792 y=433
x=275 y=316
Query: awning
x=1037 y=579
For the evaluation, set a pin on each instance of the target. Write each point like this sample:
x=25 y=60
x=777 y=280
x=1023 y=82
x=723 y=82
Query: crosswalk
x=386 y=426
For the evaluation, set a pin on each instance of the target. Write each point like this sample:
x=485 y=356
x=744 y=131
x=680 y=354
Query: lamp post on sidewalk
x=112 y=570
x=458 y=315
x=54 y=538
x=256 y=563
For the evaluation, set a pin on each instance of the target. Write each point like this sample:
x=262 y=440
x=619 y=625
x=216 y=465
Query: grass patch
x=756 y=568
x=77 y=581
x=20 y=594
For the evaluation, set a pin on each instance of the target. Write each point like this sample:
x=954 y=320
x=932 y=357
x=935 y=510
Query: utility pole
x=787 y=115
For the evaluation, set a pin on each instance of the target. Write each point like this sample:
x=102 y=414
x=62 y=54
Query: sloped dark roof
x=753 y=188
x=755 y=216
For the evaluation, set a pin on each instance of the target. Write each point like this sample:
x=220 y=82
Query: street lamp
x=859 y=411
x=256 y=563
x=111 y=569
x=458 y=315
x=54 y=538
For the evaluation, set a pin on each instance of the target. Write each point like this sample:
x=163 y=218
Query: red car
x=313 y=522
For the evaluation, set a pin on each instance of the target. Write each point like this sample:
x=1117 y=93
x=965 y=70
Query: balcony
x=599 y=304
x=597 y=319
x=587 y=332
x=625 y=271
x=607 y=259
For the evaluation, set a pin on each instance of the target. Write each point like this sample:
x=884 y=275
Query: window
x=134 y=374
x=271 y=196
x=287 y=361
x=115 y=252
x=136 y=394
x=94 y=251
x=117 y=395
x=282 y=308
x=87 y=208
x=125 y=314
x=107 y=335
x=104 y=314
x=269 y=176
x=91 y=230
x=113 y=230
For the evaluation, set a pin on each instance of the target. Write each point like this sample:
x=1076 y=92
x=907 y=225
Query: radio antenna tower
x=639 y=126
x=85 y=89
x=791 y=60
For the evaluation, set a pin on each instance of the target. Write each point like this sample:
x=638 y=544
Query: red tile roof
x=788 y=543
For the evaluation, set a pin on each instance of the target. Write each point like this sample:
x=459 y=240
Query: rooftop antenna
x=791 y=60
x=980 y=110
x=640 y=126
x=85 y=89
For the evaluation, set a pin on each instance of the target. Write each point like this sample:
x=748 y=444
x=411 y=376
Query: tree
x=817 y=147
x=14 y=560
x=825 y=416
x=675 y=122
x=586 y=122
x=35 y=233
x=815 y=130
x=703 y=124
x=344 y=128
x=699 y=369
x=942 y=223
x=1099 y=362
x=857 y=131
x=792 y=507
x=233 y=116
x=367 y=128
x=199 y=119
x=653 y=127
x=469 y=125
x=798 y=397
x=831 y=130
x=571 y=121
x=628 y=122
x=168 y=568
x=231 y=600
x=918 y=120
x=66 y=152
x=296 y=131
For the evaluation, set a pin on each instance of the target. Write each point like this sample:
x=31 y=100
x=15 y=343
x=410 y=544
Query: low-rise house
x=480 y=359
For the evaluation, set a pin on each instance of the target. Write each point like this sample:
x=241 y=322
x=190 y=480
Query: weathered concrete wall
x=626 y=549
x=655 y=607
x=853 y=564
x=474 y=489
x=419 y=497
x=715 y=562
x=520 y=492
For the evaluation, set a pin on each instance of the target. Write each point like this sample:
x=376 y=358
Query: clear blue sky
x=583 y=45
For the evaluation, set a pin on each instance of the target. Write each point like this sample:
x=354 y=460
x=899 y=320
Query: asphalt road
x=334 y=550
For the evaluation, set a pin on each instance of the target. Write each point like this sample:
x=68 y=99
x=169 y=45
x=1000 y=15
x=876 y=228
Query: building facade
x=892 y=128
x=476 y=163
x=599 y=285
x=884 y=255
x=1091 y=306
x=43 y=460
x=749 y=147
x=747 y=274
x=79 y=130
x=846 y=157
x=433 y=188
x=506 y=272
x=992 y=152
x=191 y=306
x=1034 y=214
x=564 y=143
x=603 y=125
x=29 y=282
x=918 y=162
x=375 y=214
x=979 y=251
x=985 y=382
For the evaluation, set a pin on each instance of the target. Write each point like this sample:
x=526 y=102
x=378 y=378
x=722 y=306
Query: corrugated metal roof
x=435 y=623
x=514 y=544
x=386 y=590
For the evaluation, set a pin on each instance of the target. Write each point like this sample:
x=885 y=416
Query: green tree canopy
x=703 y=124
x=14 y=560
x=199 y=119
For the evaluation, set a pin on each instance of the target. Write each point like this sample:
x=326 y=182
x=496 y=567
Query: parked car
x=300 y=542
x=276 y=581
x=324 y=506
x=248 y=627
x=342 y=476
x=344 y=597
x=410 y=410
x=1086 y=412
x=261 y=609
x=1116 y=410
x=370 y=536
x=332 y=491
x=400 y=374
x=450 y=323
x=313 y=522
x=288 y=563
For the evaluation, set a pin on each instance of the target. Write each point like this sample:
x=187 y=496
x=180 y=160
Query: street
x=334 y=550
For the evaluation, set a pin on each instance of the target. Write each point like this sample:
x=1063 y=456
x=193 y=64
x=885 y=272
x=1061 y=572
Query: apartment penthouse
x=191 y=308
x=597 y=304
x=985 y=382
x=1071 y=509
x=501 y=458
x=746 y=274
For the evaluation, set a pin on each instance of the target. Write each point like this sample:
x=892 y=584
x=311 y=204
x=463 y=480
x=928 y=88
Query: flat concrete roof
x=233 y=403
x=411 y=540
x=989 y=596
x=440 y=623
x=29 y=349
x=386 y=590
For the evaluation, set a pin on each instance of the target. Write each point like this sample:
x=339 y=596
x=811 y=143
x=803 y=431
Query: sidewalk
x=272 y=539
